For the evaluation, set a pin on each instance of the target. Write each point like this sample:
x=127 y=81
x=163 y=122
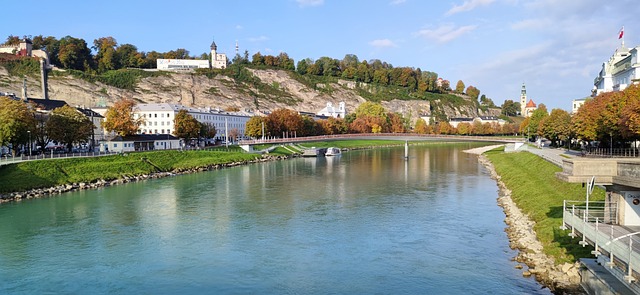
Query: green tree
x=208 y=130
x=119 y=118
x=536 y=117
x=105 y=58
x=460 y=87
x=128 y=56
x=17 y=122
x=371 y=109
x=510 y=108
x=557 y=126
x=186 y=126
x=68 y=126
x=74 y=54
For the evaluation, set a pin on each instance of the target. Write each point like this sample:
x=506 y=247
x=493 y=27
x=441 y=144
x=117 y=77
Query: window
x=155 y=115
x=115 y=145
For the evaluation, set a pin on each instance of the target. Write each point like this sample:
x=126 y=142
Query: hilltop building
x=218 y=61
x=620 y=71
x=25 y=48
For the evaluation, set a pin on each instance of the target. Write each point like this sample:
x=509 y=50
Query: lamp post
x=29 y=131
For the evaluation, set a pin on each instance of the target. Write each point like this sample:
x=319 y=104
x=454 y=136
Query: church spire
x=213 y=45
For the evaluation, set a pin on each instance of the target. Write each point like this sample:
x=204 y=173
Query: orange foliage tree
x=119 y=118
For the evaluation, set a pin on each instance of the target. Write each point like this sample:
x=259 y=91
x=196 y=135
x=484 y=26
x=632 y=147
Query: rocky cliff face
x=223 y=92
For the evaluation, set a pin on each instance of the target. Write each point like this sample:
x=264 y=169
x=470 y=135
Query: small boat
x=332 y=151
x=313 y=152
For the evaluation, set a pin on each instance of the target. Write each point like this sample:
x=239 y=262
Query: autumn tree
x=473 y=92
x=16 y=123
x=119 y=118
x=421 y=126
x=334 y=126
x=460 y=87
x=464 y=128
x=253 y=128
x=557 y=126
x=68 y=126
x=397 y=123
x=186 y=126
x=283 y=121
x=233 y=134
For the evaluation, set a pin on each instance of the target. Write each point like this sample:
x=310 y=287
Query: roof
x=531 y=104
x=144 y=137
x=213 y=45
x=47 y=104
x=158 y=107
x=89 y=112
x=460 y=119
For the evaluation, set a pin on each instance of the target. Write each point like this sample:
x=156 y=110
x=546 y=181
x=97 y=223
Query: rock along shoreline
x=560 y=279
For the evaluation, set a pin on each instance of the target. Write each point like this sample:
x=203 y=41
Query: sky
x=555 y=47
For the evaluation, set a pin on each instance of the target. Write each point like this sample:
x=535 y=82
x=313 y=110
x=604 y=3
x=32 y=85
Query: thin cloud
x=239 y=27
x=382 y=43
x=397 y=2
x=258 y=39
x=445 y=33
x=532 y=24
x=304 y=3
x=467 y=6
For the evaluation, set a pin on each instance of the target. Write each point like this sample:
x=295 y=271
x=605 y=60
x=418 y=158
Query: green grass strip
x=47 y=173
x=539 y=194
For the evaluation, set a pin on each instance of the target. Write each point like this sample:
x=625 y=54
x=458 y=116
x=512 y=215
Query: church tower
x=523 y=99
x=218 y=60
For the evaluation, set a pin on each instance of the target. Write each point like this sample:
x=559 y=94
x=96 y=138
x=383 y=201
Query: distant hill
x=242 y=88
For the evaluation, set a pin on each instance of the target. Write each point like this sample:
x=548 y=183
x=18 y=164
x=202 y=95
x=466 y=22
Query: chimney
x=43 y=79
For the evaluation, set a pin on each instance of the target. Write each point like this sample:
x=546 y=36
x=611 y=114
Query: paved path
x=553 y=155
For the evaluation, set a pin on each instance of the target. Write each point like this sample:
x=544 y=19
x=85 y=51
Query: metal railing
x=597 y=223
x=611 y=153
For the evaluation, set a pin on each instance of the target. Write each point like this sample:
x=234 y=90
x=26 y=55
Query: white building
x=182 y=64
x=621 y=70
x=331 y=111
x=218 y=61
x=158 y=118
x=142 y=142
x=576 y=104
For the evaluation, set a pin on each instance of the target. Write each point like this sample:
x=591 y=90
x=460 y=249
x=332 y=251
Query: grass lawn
x=47 y=173
x=539 y=194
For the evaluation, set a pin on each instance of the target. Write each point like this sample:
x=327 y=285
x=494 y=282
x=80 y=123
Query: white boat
x=332 y=151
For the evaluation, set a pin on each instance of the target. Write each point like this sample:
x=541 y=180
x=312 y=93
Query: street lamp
x=29 y=131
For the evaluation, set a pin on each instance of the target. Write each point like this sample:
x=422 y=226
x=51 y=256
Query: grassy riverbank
x=48 y=173
x=539 y=194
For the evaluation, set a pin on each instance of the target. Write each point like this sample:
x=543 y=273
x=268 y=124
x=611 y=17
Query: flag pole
x=622 y=36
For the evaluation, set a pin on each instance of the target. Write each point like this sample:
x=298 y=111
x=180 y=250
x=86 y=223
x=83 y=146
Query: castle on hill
x=218 y=61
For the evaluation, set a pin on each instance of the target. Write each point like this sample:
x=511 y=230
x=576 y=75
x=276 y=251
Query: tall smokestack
x=43 y=79
x=24 y=89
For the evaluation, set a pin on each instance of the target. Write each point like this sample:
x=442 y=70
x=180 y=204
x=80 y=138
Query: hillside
x=263 y=89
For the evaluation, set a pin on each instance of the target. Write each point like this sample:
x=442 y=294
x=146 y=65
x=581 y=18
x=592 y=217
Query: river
x=365 y=222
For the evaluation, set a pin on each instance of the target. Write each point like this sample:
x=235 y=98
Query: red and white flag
x=621 y=34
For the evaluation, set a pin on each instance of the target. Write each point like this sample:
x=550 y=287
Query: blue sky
x=556 y=47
